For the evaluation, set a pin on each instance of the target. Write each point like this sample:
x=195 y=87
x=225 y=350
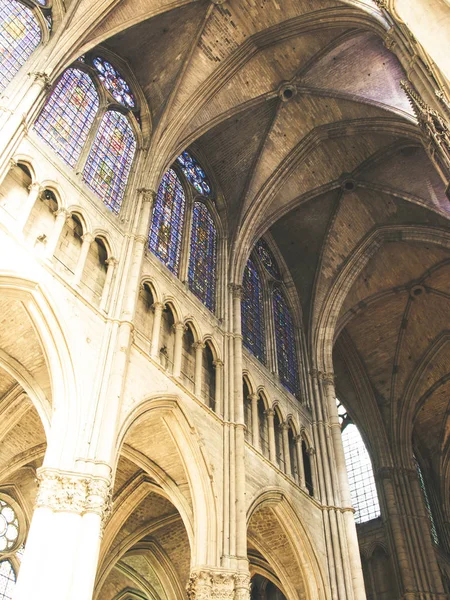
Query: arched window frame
x=191 y=197
x=106 y=103
x=269 y=283
x=41 y=14
x=13 y=555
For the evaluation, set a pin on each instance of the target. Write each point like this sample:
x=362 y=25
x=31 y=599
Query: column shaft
x=85 y=246
x=154 y=345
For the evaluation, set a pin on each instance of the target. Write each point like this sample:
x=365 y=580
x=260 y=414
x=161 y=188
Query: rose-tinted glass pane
x=203 y=257
x=167 y=222
x=67 y=117
x=285 y=344
x=253 y=328
x=109 y=162
x=20 y=35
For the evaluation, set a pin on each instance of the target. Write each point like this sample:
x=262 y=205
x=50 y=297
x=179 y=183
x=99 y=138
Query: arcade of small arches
x=220 y=376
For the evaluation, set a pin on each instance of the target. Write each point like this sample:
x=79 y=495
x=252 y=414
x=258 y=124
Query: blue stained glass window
x=114 y=83
x=267 y=258
x=167 y=222
x=67 y=117
x=195 y=174
x=7 y=580
x=109 y=162
x=20 y=35
x=253 y=327
x=285 y=344
x=202 y=260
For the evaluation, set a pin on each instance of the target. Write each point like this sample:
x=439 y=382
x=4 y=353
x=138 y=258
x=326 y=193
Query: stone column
x=87 y=238
x=179 y=329
x=218 y=584
x=287 y=455
x=61 y=555
x=111 y=266
x=154 y=345
x=270 y=413
x=61 y=216
x=300 y=467
x=218 y=365
x=198 y=347
x=34 y=191
x=255 y=423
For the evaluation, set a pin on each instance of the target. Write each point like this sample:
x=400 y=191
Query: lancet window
x=90 y=121
x=268 y=327
x=183 y=232
x=363 y=490
x=434 y=533
x=21 y=32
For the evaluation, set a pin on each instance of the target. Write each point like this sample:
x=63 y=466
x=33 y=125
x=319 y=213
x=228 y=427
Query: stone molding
x=207 y=584
x=64 y=491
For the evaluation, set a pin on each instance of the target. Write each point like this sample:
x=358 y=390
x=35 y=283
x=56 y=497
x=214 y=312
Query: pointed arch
x=203 y=256
x=20 y=35
x=67 y=117
x=167 y=222
x=109 y=162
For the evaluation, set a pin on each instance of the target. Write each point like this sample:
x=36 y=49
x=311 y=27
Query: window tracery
x=363 y=491
x=9 y=526
x=203 y=256
x=175 y=205
x=20 y=35
x=194 y=173
x=267 y=258
x=287 y=360
x=109 y=162
x=7 y=580
x=167 y=222
x=253 y=326
x=66 y=124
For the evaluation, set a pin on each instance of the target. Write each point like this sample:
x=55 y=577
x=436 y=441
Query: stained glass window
x=194 y=173
x=9 y=526
x=113 y=82
x=202 y=261
x=285 y=344
x=167 y=222
x=109 y=162
x=7 y=580
x=363 y=491
x=20 y=35
x=253 y=327
x=433 y=529
x=267 y=258
x=66 y=119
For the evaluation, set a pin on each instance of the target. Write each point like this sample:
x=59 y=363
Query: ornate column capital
x=328 y=378
x=148 y=195
x=157 y=306
x=284 y=426
x=211 y=584
x=218 y=364
x=87 y=237
x=269 y=413
x=253 y=397
x=235 y=289
x=65 y=491
x=298 y=439
x=41 y=78
x=62 y=213
x=111 y=261
x=198 y=346
x=179 y=326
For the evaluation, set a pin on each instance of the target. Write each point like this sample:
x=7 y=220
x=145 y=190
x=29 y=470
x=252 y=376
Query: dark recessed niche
x=288 y=93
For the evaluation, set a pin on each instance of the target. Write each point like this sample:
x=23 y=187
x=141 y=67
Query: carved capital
x=198 y=346
x=209 y=584
x=327 y=378
x=270 y=413
x=41 y=78
x=62 y=214
x=87 y=238
x=199 y=586
x=33 y=187
x=235 y=289
x=218 y=364
x=180 y=326
x=63 y=491
x=147 y=194
x=157 y=307
x=112 y=262
x=242 y=586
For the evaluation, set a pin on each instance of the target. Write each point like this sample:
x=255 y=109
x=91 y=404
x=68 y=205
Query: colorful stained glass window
x=194 y=173
x=114 y=82
x=285 y=344
x=252 y=309
x=203 y=257
x=109 y=162
x=267 y=258
x=20 y=35
x=67 y=117
x=9 y=526
x=7 y=580
x=167 y=222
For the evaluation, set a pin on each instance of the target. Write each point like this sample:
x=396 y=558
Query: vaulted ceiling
x=295 y=110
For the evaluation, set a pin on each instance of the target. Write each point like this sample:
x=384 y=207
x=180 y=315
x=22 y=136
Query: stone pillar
x=218 y=365
x=270 y=413
x=154 y=345
x=300 y=466
x=287 y=455
x=255 y=423
x=34 y=191
x=87 y=238
x=61 y=555
x=198 y=347
x=61 y=216
x=179 y=329
x=111 y=266
x=210 y=584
